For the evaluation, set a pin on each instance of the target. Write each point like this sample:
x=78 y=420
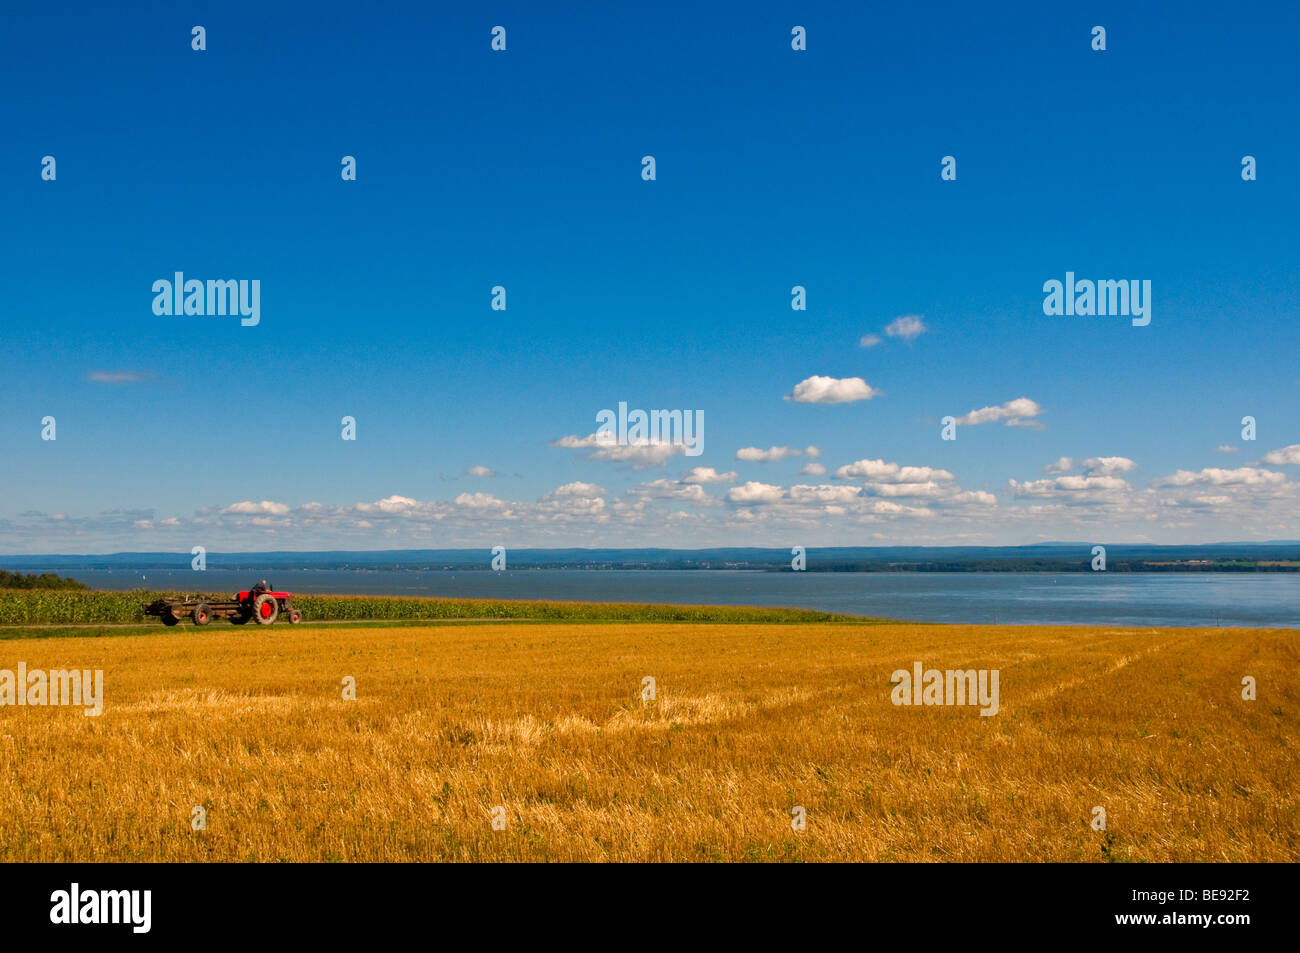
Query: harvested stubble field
x=750 y=721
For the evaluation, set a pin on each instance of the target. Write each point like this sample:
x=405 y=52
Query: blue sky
x=522 y=168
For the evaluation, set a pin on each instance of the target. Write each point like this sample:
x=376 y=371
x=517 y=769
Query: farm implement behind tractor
x=258 y=604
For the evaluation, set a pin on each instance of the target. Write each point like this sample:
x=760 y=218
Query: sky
x=523 y=169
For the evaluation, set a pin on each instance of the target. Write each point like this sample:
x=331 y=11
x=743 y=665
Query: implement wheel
x=265 y=609
x=169 y=619
x=202 y=615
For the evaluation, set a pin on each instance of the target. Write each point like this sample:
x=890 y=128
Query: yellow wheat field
x=749 y=723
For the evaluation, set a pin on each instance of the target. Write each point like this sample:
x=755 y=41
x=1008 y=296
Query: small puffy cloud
x=572 y=501
x=753 y=492
x=931 y=488
x=1073 y=485
x=1092 y=466
x=756 y=455
x=879 y=471
x=1287 y=455
x=869 y=340
x=831 y=390
x=813 y=469
x=582 y=490
x=709 y=475
x=481 y=471
x=908 y=327
x=249 y=508
x=641 y=454
x=1225 y=448
x=673 y=490
x=574 y=442
x=1107 y=466
x=771 y=454
x=1215 y=476
x=1014 y=413
x=477 y=500
x=825 y=493
x=392 y=506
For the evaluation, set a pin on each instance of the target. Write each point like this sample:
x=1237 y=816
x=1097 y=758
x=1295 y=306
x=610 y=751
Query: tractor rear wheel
x=265 y=609
x=202 y=615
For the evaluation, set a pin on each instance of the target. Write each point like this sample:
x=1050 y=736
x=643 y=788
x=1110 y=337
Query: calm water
x=1191 y=599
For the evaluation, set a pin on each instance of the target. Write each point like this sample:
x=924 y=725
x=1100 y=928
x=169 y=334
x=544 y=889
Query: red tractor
x=259 y=604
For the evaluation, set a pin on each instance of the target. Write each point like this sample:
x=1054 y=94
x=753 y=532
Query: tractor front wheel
x=294 y=616
x=265 y=609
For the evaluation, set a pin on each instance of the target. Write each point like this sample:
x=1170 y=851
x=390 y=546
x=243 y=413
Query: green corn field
x=73 y=607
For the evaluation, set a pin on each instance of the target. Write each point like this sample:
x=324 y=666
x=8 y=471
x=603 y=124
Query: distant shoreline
x=1274 y=556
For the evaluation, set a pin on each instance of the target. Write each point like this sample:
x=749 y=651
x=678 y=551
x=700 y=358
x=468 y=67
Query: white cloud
x=813 y=469
x=481 y=471
x=1066 y=486
x=825 y=493
x=709 y=475
x=585 y=490
x=665 y=489
x=912 y=488
x=1214 y=476
x=247 y=507
x=908 y=327
x=1107 y=466
x=1287 y=455
x=753 y=492
x=392 y=505
x=832 y=390
x=1092 y=466
x=641 y=454
x=1014 y=413
x=869 y=340
x=1225 y=448
x=771 y=454
x=477 y=501
x=878 y=471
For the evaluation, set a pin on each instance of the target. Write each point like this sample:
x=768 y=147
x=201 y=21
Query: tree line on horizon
x=46 y=580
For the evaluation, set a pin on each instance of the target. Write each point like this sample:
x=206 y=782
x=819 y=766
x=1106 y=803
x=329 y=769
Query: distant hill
x=1273 y=556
